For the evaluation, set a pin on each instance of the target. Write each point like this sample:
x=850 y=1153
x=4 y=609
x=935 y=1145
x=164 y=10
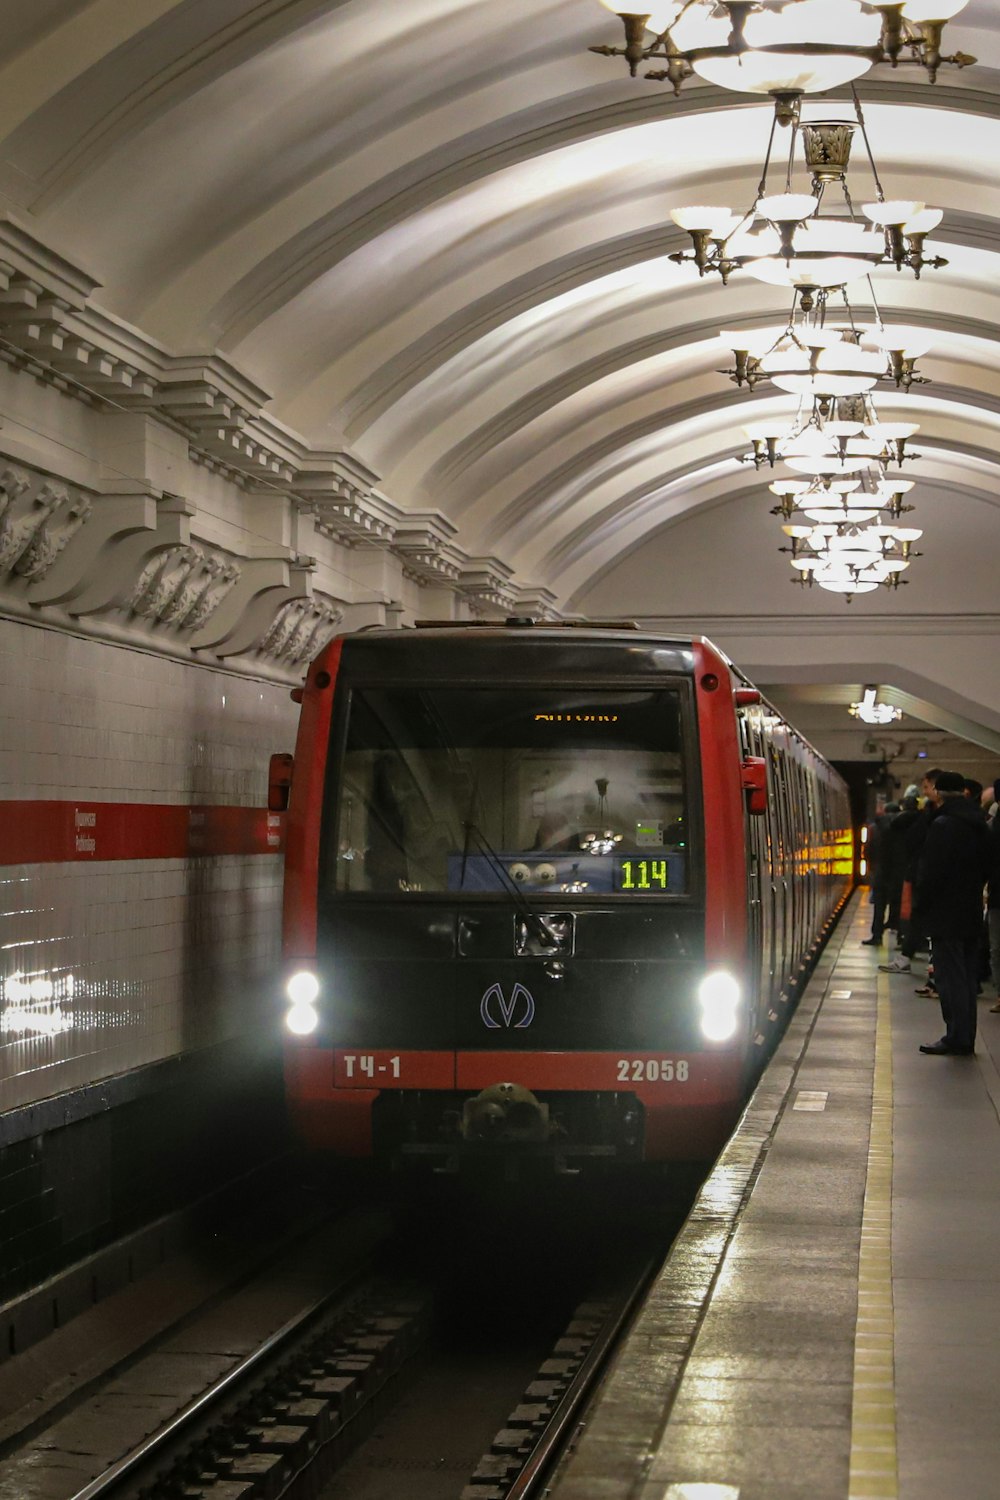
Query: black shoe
x=872 y=942
x=938 y=1049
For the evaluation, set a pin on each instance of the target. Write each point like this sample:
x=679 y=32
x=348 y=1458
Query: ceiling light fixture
x=870 y=711
x=849 y=559
x=785 y=48
x=785 y=239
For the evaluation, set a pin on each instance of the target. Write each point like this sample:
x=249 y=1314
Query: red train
x=549 y=892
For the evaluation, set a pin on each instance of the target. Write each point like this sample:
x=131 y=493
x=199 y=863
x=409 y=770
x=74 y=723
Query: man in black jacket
x=948 y=906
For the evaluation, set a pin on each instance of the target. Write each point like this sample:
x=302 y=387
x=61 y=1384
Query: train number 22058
x=652 y=1070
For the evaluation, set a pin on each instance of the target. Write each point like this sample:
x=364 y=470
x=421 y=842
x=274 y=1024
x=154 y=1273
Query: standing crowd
x=934 y=868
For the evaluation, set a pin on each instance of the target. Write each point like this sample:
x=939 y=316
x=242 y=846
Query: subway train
x=550 y=892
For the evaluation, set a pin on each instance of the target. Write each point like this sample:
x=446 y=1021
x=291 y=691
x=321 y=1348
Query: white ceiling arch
x=438 y=234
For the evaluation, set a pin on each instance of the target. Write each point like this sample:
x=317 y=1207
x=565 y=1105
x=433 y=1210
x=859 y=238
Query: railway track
x=286 y=1410
x=281 y=1423
x=459 y=1367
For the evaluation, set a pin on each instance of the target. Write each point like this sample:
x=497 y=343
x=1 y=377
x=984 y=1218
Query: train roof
x=426 y=636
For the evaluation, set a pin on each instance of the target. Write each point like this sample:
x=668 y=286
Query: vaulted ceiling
x=437 y=232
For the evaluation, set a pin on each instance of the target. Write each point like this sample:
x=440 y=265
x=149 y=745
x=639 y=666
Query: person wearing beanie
x=948 y=896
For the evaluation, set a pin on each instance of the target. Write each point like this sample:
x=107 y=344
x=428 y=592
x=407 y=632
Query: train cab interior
x=474 y=792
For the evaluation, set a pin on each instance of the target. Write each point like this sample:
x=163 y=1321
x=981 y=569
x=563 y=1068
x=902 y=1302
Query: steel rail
x=553 y=1437
x=106 y=1483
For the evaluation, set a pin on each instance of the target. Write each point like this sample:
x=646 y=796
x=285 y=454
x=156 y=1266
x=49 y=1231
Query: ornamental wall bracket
x=183 y=586
x=118 y=560
x=249 y=610
x=39 y=516
x=300 y=630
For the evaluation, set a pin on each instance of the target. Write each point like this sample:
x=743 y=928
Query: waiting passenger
x=948 y=906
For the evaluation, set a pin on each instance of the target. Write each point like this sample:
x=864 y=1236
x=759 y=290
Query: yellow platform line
x=874 y=1472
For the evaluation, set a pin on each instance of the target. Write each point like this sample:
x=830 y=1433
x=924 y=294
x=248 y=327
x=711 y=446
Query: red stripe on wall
x=55 y=832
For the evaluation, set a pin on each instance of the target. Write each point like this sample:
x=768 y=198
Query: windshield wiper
x=531 y=917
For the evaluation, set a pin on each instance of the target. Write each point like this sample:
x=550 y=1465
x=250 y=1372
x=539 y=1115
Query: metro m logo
x=494 y=1002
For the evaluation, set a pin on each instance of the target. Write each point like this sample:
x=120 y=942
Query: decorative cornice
x=485 y=582
x=49 y=330
x=423 y=543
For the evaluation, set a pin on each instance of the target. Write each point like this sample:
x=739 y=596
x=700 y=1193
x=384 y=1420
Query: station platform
x=827 y=1326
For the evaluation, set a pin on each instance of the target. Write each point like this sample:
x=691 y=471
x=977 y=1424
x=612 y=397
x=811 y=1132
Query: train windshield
x=478 y=791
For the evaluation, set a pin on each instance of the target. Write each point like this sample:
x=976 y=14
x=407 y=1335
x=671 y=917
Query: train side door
x=759 y=931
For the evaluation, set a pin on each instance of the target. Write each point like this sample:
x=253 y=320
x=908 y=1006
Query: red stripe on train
x=655 y=1077
x=37 y=832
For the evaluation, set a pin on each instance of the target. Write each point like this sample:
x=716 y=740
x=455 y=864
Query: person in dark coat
x=875 y=847
x=910 y=936
x=948 y=906
x=894 y=855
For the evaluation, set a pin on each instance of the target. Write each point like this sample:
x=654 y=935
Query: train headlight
x=302 y=1020
x=302 y=988
x=719 y=998
x=302 y=991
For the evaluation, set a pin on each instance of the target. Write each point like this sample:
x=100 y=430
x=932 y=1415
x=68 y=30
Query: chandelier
x=822 y=498
x=848 y=558
x=785 y=239
x=785 y=48
x=871 y=712
x=844 y=429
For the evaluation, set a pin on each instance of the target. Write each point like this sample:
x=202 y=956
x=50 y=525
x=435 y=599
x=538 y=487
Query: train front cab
x=487 y=978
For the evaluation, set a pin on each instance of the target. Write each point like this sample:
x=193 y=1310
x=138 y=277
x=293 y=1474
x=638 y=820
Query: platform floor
x=828 y=1324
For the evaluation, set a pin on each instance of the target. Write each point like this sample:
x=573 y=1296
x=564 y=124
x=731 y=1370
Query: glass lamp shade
x=827 y=465
x=896 y=338
x=808 y=23
x=834 y=369
x=789 y=208
x=891 y=432
x=845 y=586
x=924 y=222
x=886 y=488
x=703 y=218
x=933 y=10
x=895 y=211
x=825 y=252
x=661 y=13
x=838 y=513
x=825 y=383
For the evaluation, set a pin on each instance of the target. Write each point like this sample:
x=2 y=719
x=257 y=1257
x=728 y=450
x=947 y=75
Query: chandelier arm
x=762 y=184
x=864 y=136
x=793 y=138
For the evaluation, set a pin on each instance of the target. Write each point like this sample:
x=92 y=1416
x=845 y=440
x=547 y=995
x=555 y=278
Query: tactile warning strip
x=874 y=1469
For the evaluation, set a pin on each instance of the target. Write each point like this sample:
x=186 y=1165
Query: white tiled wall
x=147 y=958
